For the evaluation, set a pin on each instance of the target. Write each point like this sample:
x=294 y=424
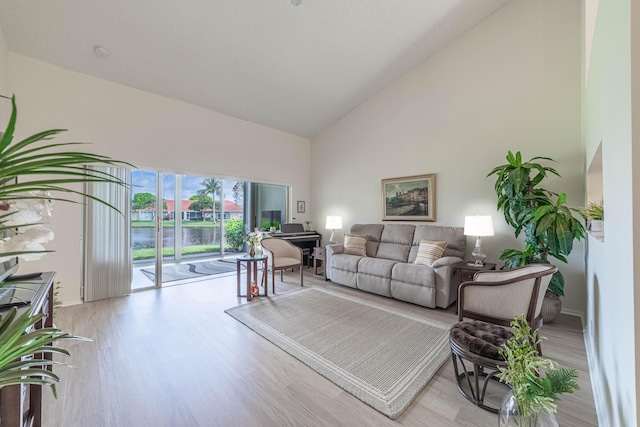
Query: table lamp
x=333 y=223
x=478 y=225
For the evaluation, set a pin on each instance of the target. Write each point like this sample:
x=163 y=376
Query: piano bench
x=307 y=252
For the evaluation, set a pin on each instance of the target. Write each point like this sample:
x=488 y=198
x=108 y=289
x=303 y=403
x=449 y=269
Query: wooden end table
x=464 y=271
x=319 y=254
x=252 y=273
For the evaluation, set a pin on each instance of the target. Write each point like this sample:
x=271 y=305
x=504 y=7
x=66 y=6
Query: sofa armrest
x=446 y=261
x=330 y=250
x=446 y=289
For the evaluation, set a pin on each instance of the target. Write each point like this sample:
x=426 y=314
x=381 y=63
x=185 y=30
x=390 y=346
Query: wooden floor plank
x=172 y=357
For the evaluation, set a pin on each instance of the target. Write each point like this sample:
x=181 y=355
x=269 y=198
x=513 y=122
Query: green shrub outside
x=234 y=233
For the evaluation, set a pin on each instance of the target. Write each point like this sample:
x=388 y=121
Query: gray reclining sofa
x=389 y=269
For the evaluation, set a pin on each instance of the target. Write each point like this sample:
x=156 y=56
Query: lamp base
x=333 y=239
x=478 y=253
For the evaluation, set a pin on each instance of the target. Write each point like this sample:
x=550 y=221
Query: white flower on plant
x=253 y=238
x=27 y=212
x=21 y=211
x=28 y=239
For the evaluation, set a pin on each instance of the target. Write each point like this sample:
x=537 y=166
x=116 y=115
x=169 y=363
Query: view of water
x=144 y=237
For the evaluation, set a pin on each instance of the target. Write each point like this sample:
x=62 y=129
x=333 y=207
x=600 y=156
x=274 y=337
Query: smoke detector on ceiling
x=296 y=2
x=101 y=51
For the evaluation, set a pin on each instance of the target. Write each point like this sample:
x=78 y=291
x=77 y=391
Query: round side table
x=252 y=272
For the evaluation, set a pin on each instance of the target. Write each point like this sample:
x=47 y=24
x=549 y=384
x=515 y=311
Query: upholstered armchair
x=282 y=255
x=498 y=296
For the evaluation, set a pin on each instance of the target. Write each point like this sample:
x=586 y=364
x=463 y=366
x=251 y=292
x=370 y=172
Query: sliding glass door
x=180 y=221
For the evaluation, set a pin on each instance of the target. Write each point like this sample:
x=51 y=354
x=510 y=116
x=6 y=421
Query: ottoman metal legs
x=475 y=353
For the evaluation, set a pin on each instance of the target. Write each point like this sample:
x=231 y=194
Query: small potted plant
x=307 y=225
x=594 y=213
x=535 y=382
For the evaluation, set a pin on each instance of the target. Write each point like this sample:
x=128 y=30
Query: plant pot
x=551 y=306
x=508 y=415
x=597 y=226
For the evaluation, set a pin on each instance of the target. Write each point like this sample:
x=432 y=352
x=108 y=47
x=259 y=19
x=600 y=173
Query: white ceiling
x=293 y=68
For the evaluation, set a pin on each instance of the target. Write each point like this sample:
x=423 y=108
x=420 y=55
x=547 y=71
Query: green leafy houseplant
x=17 y=349
x=33 y=172
x=543 y=216
x=536 y=382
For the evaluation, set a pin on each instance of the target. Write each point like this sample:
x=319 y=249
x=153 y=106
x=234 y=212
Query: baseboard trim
x=72 y=302
x=577 y=314
x=594 y=373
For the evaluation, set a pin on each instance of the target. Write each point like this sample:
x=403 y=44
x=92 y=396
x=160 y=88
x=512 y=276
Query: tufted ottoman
x=475 y=345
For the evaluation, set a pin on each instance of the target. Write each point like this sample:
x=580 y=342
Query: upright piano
x=294 y=233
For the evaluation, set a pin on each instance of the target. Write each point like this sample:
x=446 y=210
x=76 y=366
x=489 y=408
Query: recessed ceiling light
x=101 y=52
x=296 y=2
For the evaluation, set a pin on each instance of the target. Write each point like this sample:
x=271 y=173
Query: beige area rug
x=381 y=355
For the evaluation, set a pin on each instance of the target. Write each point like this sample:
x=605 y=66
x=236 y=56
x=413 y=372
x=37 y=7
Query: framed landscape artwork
x=410 y=198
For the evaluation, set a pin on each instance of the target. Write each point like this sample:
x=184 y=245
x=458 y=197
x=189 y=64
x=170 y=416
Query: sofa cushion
x=415 y=274
x=395 y=242
x=343 y=269
x=355 y=245
x=373 y=233
x=414 y=283
x=374 y=275
x=376 y=267
x=345 y=262
x=454 y=236
x=429 y=251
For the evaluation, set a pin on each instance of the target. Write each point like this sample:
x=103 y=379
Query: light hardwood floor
x=172 y=357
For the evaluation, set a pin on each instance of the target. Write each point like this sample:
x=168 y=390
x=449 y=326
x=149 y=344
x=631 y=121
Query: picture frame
x=409 y=198
x=300 y=206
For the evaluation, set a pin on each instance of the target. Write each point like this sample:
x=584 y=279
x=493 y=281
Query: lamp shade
x=334 y=222
x=478 y=225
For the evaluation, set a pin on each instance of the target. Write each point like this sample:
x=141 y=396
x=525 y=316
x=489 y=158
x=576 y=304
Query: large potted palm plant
x=548 y=224
x=33 y=172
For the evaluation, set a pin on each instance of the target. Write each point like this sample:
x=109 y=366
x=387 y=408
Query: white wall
x=613 y=313
x=4 y=77
x=151 y=132
x=511 y=83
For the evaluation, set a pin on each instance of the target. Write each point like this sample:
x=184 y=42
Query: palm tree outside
x=211 y=186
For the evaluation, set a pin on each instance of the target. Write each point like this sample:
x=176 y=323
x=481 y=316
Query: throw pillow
x=429 y=251
x=355 y=245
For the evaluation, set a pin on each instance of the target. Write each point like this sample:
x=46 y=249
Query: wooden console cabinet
x=21 y=405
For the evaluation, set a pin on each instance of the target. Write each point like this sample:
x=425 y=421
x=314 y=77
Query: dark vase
x=252 y=251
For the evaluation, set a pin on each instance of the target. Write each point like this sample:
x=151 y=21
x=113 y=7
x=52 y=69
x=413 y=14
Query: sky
x=145 y=182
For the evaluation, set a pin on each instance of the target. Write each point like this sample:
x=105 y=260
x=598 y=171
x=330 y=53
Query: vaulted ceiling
x=294 y=68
